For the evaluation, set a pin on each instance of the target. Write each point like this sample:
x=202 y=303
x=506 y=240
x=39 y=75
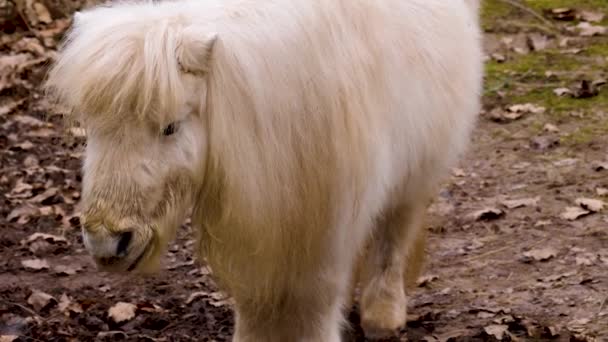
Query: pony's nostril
x=123 y=243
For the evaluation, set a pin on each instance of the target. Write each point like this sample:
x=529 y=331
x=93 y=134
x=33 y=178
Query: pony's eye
x=170 y=129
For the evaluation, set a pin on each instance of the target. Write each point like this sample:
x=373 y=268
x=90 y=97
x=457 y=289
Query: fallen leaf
x=78 y=132
x=21 y=215
x=541 y=254
x=562 y=91
x=543 y=143
x=26 y=145
x=542 y=223
x=527 y=108
x=565 y=162
x=563 y=14
x=586 y=259
x=35 y=264
x=66 y=270
x=587 y=30
x=42 y=13
x=40 y=300
x=600 y=165
x=497 y=330
x=498 y=57
x=426 y=280
x=601 y=191
x=537 y=41
x=196 y=295
x=593 y=205
x=122 y=312
x=43 y=236
x=592 y=17
x=522 y=202
x=586 y=89
x=67 y=306
x=550 y=128
x=487 y=214
x=456 y=172
x=45 y=196
x=8 y=338
x=574 y=213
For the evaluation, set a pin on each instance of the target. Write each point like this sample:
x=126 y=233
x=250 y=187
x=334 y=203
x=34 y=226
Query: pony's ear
x=194 y=49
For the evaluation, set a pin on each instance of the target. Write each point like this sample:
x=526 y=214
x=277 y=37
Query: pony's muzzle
x=110 y=250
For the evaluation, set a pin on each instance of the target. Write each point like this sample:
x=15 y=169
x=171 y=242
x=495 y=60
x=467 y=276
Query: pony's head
x=136 y=82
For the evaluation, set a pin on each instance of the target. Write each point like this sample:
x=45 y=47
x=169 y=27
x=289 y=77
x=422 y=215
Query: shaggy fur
x=309 y=133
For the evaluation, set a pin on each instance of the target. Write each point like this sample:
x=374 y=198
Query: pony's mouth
x=139 y=258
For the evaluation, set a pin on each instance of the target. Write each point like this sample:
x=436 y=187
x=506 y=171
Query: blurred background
x=518 y=246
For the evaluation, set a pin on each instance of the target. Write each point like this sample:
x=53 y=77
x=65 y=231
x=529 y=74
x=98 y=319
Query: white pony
x=303 y=133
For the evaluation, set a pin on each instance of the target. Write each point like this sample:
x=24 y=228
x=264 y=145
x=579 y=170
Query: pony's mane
x=117 y=63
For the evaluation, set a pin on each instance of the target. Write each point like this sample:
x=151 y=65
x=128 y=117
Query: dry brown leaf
x=67 y=306
x=537 y=41
x=542 y=223
x=592 y=17
x=122 y=312
x=499 y=331
x=35 y=264
x=196 y=295
x=587 y=30
x=77 y=132
x=543 y=143
x=21 y=187
x=456 y=172
x=550 y=128
x=565 y=162
x=426 y=280
x=42 y=13
x=66 y=270
x=586 y=259
x=541 y=254
x=21 y=215
x=527 y=108
x=40 y=300
x=563 y=13
x=600 y=165
x=43 y=236
x=562 y=91
x=26 y=145
x=31 y=162
x=8 y=338
x=489 y=213
x=593 y=205
x=498 y=57
x=46 y=195
x=522 y=202
x=574 y=213
x=9 y=106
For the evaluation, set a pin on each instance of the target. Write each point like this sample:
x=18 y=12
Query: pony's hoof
x=383 y=320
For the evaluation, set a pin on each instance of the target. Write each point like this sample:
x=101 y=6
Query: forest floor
x=518 y=247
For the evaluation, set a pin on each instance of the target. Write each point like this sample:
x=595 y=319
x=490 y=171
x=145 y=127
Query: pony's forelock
x=117 y=67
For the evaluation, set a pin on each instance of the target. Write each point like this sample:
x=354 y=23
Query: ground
x=518 y=235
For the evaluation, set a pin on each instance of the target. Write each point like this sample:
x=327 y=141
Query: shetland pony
x=303 y=134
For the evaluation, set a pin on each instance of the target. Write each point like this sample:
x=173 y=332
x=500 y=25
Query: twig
x=602 y=306
x=30 y=311
x=530 y=11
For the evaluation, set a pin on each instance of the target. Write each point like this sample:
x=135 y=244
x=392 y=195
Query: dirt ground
x=518 y=247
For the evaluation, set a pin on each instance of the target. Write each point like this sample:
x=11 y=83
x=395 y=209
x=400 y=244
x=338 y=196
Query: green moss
x=587 y=4
x=581 y=136
x=599 y=49
x=492 y=10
